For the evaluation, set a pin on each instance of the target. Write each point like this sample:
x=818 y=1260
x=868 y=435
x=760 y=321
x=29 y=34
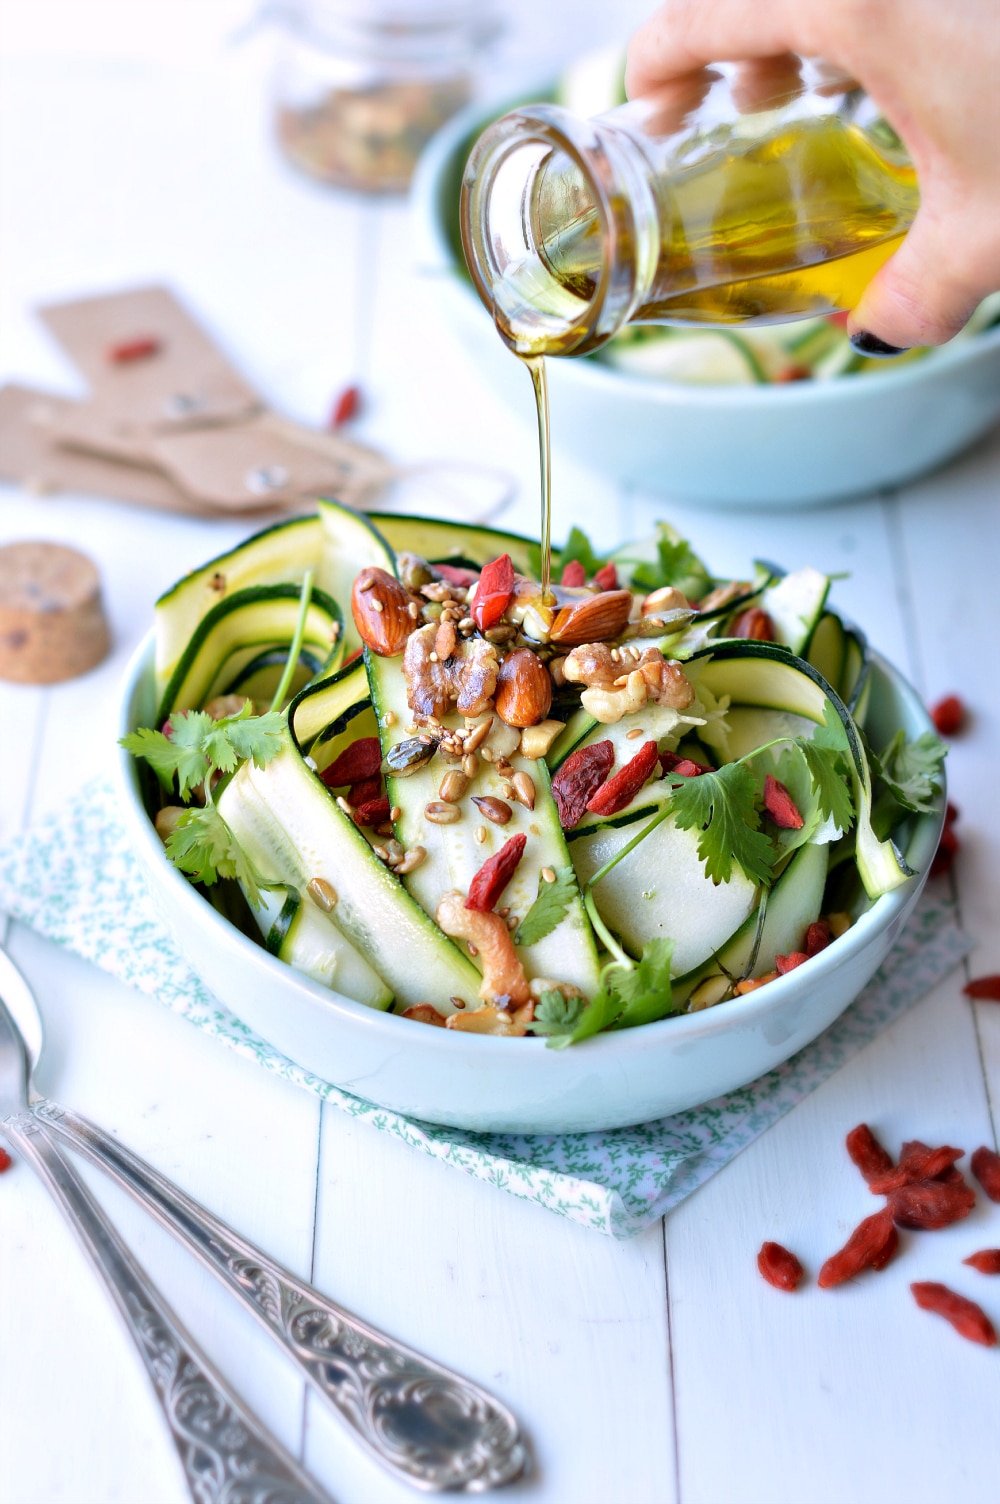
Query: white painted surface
x=654 y=1372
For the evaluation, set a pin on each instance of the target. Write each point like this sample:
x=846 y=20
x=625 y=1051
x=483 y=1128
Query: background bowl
x=793 y=445
x=520 y=1085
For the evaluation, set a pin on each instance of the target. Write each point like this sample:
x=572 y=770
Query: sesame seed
x=547 y=875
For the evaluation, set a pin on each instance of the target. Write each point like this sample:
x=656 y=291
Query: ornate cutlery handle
x=433 y=1428
x=227 y=1455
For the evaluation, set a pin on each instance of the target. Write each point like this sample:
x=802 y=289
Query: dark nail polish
x=870 y=344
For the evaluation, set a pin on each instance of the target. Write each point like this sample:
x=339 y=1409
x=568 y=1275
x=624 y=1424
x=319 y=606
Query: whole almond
x=524 y=690
x=380 y=607
x=598 y=618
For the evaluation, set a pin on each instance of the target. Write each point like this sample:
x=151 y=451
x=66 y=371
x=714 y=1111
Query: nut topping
x=466 y=680
x=595 y=619
x=503 y=974
x=408 y=756
x=380 y=607
x=524 y=689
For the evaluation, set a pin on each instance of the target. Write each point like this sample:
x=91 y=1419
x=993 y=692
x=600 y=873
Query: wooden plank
x=563 y=1324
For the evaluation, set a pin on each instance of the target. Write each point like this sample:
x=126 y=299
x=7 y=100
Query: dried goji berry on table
x=779 y=1267
x=5 y=1161
x=494 y=875
x=781 y=806
x=362 y=759
x=346 y=405
x=987 y=1260
x=755 y=624
x=968 y=1319
x=948 y=848
x=622 y=788
x=606 y=577
x=888 y=1253
x=128 y=350
x=375 y=812
x=493 y=593
x=573 y=574
x=867 y=1153
x=867 y=1244
x=916 y=1147
x=986 y=1168
x=919 y=1162
x=927 y=1205
x=948 y=715
x=986 y=989
x=578 y=778
x=788 y=963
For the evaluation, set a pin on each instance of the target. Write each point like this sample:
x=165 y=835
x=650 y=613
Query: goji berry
x=986 y=1168
x=573 y=574
x=5 y=1161
x=793 y=373
x=755 y=624
x=375 y=812
x=456 y=574
x=985 y=988
x=684 y=767
x=365 y=790
x=818 y=936
x=493 y=593
x=129 y=350
x=581 y=775
x=927 y=1205
x=781 y=806
x=362 y=759
x=968 y=1319
x=948 y=715
x=916 y=1146
x=345 y=407
x=948 y=848
x=494 y=875
x=951 y=812
x=987 y=1260
x=606 y=577
x=784 y=964
x=622 y=788
x=920 y=1164
x=867 y=1243
x=888 y=1253
x=867 y=1153
x=779 y=1267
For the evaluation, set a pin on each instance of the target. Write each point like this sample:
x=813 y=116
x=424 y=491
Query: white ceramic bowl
x=520 y=1085
x=793 y=445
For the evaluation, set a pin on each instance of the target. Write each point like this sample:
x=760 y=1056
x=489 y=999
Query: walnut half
x=465 y=680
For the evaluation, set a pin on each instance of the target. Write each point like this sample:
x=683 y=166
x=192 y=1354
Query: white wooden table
x=649 y=1372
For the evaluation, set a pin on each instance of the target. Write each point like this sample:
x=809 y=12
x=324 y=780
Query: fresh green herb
x=630 y=993
x=677 y=564
x=826 y=754
x=197 y=746
x=556 y=1014
x=577 y=549
x=549 y=908
x=911 y=771
x=645 y=990
x=723 y=806
x=295 y=646
x=202 y=845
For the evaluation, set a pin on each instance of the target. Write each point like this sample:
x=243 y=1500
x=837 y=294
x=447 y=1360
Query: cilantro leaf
x=645 y=990
x=549 y=908
x=202 y=845
x=577 y=548
x=676 y=564
x=722 y=805
x=198 y=745
x=166 y=759
x=556 y=1014
x=911 y=771
x=255 y=736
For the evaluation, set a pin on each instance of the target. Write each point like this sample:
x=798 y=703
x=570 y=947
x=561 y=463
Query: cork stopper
x=52 y=622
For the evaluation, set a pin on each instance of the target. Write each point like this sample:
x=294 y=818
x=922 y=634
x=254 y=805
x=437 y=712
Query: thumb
x=923 y=294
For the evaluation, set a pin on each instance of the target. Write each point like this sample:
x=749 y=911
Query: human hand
x=932 y=68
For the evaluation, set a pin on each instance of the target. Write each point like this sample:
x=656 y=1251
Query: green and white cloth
x=74 y=879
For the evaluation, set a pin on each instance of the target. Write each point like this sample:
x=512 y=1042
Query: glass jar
x=360 y=86
x=746 y=194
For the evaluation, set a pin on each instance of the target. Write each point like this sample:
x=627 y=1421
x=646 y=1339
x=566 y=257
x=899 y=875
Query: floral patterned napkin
x=73 y=878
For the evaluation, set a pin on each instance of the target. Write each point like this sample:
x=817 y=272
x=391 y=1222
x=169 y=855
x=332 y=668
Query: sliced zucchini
x=656 y=722
x=350 y=544
x=320 y=707
x=454 y=855
x=300 y=833
x=765 y=675
x=278 y=555
x=794 y=902
x=828 y=647
x=259 y=678
x=660 y=891
x=447 y=542
x=747 y=728
x=795 y=602
x=238 y=629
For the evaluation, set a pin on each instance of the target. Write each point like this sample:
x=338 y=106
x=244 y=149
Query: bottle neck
x=560 y=229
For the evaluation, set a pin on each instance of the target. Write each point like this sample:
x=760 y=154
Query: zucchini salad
x=381 y=749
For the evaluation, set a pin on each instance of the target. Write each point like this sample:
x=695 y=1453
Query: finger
x=684 y=35
x=922 y=295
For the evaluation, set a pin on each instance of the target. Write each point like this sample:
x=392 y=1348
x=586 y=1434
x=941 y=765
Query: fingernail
x=870 y=344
